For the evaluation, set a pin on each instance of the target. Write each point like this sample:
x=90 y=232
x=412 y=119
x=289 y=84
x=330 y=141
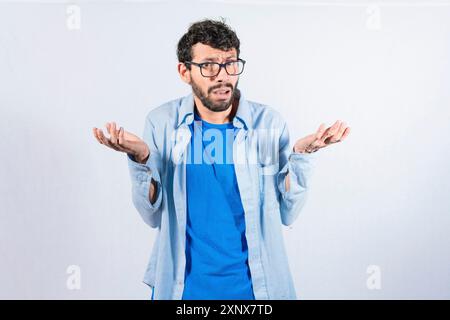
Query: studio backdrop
x=377 y=220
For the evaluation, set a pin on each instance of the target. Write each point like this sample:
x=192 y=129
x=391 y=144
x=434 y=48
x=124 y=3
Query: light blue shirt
x=262 y=157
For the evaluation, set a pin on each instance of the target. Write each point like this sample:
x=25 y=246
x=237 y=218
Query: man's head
x=209 y=41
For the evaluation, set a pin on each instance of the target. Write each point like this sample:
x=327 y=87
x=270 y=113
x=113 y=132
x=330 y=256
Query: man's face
x=216 y=93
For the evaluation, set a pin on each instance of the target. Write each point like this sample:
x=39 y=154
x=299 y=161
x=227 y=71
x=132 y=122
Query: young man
x=215 y=175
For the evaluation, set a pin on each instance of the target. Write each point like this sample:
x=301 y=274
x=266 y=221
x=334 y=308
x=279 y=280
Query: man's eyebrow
x=215 y=59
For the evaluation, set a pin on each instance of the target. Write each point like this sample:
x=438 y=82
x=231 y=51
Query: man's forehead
x=202 y=51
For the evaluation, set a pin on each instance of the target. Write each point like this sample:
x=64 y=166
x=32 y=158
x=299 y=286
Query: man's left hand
x=322 y=138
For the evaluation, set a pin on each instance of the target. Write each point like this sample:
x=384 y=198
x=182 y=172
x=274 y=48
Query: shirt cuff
x=141 y=176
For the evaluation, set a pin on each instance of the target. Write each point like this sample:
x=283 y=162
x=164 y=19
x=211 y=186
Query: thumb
x=121 y=137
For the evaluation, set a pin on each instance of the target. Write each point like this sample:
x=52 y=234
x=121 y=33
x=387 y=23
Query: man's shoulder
x=165 y=112
x=265 y=114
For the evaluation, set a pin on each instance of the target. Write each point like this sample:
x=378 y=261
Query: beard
x=209 y=103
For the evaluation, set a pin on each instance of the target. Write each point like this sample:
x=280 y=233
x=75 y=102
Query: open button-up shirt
x=262 y=159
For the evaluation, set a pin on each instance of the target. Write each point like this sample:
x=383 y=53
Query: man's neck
x=216 y=117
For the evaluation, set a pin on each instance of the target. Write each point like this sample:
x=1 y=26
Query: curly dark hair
x=216 y=34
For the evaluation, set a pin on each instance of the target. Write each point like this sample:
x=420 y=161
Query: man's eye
x=206 y=65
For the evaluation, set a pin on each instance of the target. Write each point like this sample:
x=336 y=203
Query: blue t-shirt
x=216 y=247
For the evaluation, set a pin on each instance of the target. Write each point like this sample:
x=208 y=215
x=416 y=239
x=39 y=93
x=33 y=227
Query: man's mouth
x=221 y=93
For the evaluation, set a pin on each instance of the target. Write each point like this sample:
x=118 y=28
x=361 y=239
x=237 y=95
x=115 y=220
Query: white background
x=378 y=198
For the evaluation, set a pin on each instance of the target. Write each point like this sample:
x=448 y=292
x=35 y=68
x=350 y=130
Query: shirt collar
x=242 y=118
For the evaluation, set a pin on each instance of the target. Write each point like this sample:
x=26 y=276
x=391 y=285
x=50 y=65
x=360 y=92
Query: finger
x=337 y=136
x=346 y=133
x=320 y=131
x=335 y=127
x=115 y=140
x=102 y=137
x=105 y=140
x=325 y=135
x=328 y=132
x=96 y=135
x=110 y=130
x=113 y=134
x=115 y=137
x=331 y=131
x=94 y=130
x=121 y=138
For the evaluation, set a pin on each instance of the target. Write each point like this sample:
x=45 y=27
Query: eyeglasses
x=212 y=69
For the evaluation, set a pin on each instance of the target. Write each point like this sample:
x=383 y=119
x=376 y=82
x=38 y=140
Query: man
x=200 y=176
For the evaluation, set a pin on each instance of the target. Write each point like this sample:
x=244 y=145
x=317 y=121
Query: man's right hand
x=121 y=140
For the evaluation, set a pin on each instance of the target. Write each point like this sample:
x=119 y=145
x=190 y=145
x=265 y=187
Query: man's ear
x=184 y=73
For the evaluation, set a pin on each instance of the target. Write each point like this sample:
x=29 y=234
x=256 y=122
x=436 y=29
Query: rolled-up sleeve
x=300 y=167
x=141 y=176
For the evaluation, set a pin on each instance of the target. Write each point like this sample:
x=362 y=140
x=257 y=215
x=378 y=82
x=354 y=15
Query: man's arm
x=297 y=166
x=153 y=185
x=144 y=164
x=287 y=180
x=292 y=179
x=146 y=180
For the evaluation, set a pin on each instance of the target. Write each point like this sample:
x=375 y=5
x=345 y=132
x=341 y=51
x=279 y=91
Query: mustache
x=220 y=87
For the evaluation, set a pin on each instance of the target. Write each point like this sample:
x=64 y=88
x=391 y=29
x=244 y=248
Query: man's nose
x=223 y=75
